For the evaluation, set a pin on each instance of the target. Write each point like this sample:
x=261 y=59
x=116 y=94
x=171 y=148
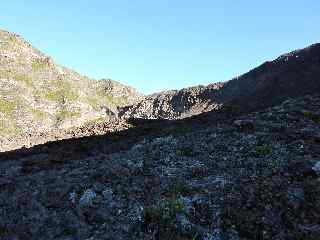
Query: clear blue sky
x=164 y=44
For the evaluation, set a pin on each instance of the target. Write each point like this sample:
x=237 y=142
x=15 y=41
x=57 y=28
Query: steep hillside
x=291 y=75
x=243 y=177
x=37 y=95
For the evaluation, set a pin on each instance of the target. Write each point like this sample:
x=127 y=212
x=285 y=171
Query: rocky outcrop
x=291 y=75
x=176 y=104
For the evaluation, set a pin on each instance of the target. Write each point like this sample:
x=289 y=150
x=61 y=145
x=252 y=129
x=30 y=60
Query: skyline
x=194 y=44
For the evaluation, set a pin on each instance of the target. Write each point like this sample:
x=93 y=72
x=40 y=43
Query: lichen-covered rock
x=87 y=198
x=316 y=167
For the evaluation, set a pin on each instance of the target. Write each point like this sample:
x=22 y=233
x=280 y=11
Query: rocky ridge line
x=291 y=75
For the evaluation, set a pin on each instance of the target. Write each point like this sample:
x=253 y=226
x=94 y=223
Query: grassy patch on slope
x=62 y=91
x=39 y=64
x=7 y=107
x=64 y=114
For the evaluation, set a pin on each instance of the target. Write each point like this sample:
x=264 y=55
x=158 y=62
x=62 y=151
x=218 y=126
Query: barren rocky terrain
x=238 y=160
x=229 y=176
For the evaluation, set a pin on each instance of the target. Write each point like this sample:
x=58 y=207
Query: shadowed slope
x=214 y=176
x=291 y=75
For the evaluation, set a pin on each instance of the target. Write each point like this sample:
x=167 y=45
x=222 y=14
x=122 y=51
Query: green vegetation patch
x=95 y=121
x=93 y=102
x=62 y=92
x=39 y=64
x=7 y=107
x=23 y=78
x=54 y=96
x=39 y=115
x=263 y=150
x=3 y=231
x=165 y=212
x=163 y=216
x=65 y=114
x=5 y=74
x=20 y=77
x=9 y=127
x=313 y=117
x=98 y=101
x=185 y=151
x=101 y=98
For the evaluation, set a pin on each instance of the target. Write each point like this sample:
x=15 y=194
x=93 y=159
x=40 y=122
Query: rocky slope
x=175 y=104
x=291 y=75
x=235 y=169
x=41 y=101
x=37 y=95
x=219 y=175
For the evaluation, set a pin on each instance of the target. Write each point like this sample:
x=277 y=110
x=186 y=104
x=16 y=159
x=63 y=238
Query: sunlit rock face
x=38 y=95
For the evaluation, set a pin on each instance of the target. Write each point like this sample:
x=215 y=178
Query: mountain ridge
x=37 y=95
x=42 y=101
x=251 y=87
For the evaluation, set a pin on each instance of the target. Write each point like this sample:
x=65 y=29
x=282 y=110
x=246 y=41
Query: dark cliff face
x=291 y=75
